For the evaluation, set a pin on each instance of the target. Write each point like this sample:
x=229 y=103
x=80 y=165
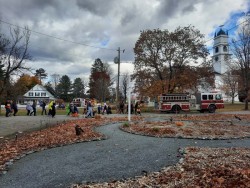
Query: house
x=38 y=93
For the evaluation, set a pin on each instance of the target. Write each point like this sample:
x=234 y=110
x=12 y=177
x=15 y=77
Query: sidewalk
x=14 y=124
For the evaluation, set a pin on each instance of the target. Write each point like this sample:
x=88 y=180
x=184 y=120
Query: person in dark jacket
x=43 y=105
x=14 y=108
x=53 y=110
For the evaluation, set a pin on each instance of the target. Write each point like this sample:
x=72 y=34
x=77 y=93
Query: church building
x=220 y=55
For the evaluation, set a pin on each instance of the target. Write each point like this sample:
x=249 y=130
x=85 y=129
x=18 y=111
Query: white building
x=220 y=55
x=38 y=93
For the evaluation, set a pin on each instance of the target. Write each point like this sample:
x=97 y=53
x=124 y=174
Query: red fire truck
x=185 y=102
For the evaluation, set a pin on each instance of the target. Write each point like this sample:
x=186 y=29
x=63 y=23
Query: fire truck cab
x=209 y=102
x=185 y=102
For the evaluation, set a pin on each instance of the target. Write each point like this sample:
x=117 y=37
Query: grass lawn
x=228 y=108
x=232 y=107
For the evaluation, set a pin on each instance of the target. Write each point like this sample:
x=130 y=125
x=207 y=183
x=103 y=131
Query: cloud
x=79 y=31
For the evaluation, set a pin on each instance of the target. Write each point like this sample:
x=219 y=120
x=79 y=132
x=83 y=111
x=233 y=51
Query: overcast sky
x=91 y=29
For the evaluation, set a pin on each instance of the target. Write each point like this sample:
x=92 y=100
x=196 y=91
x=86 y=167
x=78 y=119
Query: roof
x=39 y=88
x=220 y=32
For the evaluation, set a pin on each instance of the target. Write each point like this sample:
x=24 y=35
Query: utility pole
x=118 y=80
x=117 y=60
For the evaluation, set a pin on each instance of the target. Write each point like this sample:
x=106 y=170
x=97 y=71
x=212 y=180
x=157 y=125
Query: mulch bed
x=194 y=126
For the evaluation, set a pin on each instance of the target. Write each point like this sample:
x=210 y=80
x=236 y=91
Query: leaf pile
x=193 y=127
x=213 y=117
x=200 y=168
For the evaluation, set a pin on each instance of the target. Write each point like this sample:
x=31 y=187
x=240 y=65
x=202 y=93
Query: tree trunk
x=246 y=100
x=232 y=100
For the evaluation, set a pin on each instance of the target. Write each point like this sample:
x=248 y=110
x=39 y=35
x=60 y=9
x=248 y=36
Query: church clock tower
x=220 y=55
x=220 y=51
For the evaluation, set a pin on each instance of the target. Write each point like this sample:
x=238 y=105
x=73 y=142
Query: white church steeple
x=220 y=51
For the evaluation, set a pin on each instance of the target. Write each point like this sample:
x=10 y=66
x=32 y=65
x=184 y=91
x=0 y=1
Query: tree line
x=165 y=62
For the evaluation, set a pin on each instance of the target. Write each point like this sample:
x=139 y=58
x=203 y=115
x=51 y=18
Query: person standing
x=8 y=108
x=138 y=110
x=121 y=107
x=43 y=105
x=136 y=106
x=90 y=109
x=29 y=109
x=53 y=109
x=34 y=108
x=14 y=108
x=50 y=107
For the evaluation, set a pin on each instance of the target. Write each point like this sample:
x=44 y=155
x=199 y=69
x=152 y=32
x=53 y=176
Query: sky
x=68 y=35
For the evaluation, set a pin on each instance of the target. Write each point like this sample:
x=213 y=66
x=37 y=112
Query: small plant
x=126 y=124
x=156 y=129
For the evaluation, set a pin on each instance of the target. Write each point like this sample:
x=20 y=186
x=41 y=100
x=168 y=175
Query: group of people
x=104 y=109
x=10 y=107
x=134 y=109
x=31 y=108
x=72 y=109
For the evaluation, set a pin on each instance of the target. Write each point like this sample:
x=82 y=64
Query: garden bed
x=194 y=126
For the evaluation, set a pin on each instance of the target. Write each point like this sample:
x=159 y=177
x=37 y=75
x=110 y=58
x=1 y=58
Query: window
x=218 y=97
x=43 y=94
x=204 y=97
x=210 y=97
x=216 y=49
x=37 y=94
x=216 y=58
x=224 y=49
x=30 y=94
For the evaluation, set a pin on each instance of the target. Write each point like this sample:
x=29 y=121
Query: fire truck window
x=217 y=97
x=210 y=97
x=204 y=97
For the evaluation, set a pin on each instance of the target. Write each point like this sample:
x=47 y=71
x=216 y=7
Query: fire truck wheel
x=211 y=109
x=176 y=109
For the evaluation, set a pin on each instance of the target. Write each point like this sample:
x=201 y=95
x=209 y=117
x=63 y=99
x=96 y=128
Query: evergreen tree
x=100 y=81
x=64 y=88
x=78 y=88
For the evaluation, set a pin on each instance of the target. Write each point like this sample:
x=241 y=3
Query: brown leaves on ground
x=195 y=126
x=200 y=168
x=53 y=136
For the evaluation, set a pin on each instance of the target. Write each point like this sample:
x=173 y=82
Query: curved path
x=122 y=155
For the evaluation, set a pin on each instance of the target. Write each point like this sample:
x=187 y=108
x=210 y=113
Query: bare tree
x=230 y=84
x=13 y=55
x=241 y=51
x=55 y=79
x=124 y=86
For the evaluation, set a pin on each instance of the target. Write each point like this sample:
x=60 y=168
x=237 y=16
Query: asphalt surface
x=122 y=155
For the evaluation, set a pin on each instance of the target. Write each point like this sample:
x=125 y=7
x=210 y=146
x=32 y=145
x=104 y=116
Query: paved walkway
x=14 y=124
x=122 y=155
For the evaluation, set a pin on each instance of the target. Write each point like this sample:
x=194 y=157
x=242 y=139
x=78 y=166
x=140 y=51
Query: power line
x=230 y=29
x=57 y=38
